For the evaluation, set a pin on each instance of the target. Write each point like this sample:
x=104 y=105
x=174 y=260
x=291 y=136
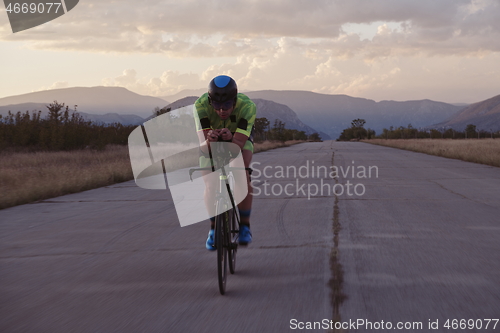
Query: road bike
x=227 y=218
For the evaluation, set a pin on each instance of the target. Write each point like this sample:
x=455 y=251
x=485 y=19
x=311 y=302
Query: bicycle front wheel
x=233 y=239
x=221 y=243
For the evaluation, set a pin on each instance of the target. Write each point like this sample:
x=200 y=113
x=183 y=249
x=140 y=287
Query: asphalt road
x=423 y=242
x=420 y=243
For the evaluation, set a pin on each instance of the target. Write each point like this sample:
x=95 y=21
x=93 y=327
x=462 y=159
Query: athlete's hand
x=226 y=134
x=213 y=135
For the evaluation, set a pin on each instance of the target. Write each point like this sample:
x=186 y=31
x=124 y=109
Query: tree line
x=61 y=129
x=65 y=129
x=358 y=132
x=278 y=132
x=409 y=132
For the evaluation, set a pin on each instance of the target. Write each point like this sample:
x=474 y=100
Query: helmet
x=221 y=89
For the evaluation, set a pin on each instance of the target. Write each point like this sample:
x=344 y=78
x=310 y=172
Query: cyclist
x=226 y=115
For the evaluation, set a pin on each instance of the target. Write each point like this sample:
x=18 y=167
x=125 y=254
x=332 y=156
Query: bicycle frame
x=225 y=173
x=226 y=230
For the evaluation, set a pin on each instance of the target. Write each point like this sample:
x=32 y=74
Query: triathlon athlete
x=226 y=115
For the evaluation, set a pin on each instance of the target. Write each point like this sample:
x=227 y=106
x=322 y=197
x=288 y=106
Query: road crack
x=337 y=273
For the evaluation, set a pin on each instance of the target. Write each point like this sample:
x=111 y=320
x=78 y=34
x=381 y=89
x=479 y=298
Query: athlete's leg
x=210 y=191
x=246 y=205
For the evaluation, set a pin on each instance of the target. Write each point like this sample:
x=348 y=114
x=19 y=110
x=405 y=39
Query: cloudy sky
x=445 y=50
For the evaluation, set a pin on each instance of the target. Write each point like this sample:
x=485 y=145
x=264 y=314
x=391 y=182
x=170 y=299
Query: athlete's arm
x=240 y=139
x=206 y=136
x=210 y=135
x=245 y=124
x=205 y=133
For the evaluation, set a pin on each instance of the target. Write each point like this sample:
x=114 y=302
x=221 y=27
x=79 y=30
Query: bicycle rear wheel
x=221 y=243
x=233 y=239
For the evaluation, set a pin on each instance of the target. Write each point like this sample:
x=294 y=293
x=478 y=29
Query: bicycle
x=227 y=218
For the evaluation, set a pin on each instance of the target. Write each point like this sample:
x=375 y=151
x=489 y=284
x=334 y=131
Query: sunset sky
x=444 y=50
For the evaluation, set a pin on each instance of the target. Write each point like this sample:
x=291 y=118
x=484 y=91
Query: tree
x=261 y=125
x=55 y=111
x=358 y=123
x=315 y=137
x=356 y=131
x=278 y=130
x=470 y=130
x=301 y=135
x=449 y=133
x=385 y=133
x=157 y=111
x=410 y=132
x=55 y=119
x=435 y=134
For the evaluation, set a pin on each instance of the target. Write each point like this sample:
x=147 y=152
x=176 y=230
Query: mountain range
x=333 y=113
x=328 y=114
x=93 y=100
x=485 y=115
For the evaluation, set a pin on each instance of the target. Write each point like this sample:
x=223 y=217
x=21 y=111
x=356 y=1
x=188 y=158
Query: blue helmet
x=221 y=89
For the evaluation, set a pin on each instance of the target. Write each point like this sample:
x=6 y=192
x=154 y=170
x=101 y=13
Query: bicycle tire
x=233 y=240
x=221 y=243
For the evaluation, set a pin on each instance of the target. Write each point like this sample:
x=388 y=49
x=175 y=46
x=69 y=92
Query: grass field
x=267 y=145
x=29 y=177
x=484 y=151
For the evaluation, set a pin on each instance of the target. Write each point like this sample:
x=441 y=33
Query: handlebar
x=191 y=171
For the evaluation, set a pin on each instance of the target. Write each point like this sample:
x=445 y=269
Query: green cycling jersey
x=241 y=120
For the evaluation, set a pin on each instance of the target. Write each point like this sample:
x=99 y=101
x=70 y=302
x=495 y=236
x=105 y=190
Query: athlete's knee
x=209 y=189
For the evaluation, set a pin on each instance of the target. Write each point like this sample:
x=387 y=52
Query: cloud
x=187 y=28
x=55 y=85
x=128 y=78
x=446 y=78
x=170 y=82
x=290 y=44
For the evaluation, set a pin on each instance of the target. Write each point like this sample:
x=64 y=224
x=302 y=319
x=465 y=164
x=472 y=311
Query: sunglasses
x=224 y=105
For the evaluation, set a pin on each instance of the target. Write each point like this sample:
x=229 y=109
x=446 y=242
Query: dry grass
x=267 y=145
x=484 y=151
x=28 y=177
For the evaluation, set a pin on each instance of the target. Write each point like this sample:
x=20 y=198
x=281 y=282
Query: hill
x=332 y=113
x=93 y=100
x=485 y=115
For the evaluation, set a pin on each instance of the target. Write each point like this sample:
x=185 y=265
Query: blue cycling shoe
x=245 y=235
x=210 y=241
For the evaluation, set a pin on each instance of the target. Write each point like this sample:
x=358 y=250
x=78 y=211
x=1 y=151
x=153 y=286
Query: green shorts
x=248 y=146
